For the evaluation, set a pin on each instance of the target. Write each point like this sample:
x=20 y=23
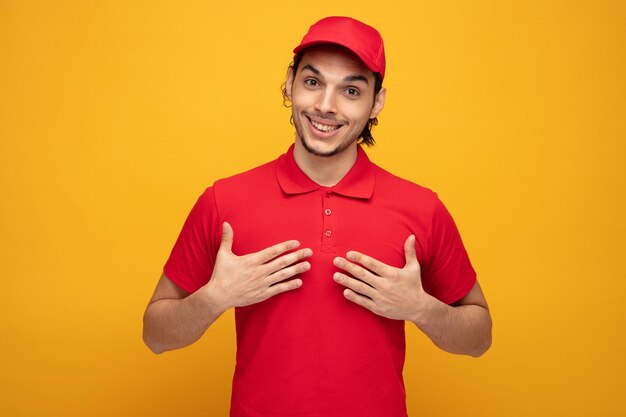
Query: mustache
x=325 y=117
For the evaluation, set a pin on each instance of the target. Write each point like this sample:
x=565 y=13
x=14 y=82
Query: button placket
x=328 y=222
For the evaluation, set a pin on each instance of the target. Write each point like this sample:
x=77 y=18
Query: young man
x=323 y=254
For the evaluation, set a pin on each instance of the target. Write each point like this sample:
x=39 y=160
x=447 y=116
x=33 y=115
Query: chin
x=327 y=151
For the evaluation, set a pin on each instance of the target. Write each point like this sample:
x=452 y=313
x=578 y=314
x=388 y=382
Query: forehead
x=334 y=60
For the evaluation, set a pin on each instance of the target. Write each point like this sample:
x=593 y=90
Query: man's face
x=332 y=96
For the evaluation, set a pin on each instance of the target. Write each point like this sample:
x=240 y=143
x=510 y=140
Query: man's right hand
x=239 y=281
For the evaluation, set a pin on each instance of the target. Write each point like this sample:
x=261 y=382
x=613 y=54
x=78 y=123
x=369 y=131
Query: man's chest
x=328 y=223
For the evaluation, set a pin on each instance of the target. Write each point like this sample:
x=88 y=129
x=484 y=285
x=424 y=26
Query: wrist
x=427 y=310
x=207 y=303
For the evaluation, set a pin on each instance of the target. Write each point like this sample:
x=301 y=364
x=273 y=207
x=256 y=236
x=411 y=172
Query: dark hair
x=366 y=135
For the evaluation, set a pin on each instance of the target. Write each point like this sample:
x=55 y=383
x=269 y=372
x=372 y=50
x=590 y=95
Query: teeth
x=323 y=128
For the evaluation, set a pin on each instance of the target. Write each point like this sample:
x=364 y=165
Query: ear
x=289 y=82
x=379 y=102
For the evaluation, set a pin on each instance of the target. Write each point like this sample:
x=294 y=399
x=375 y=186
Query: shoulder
x=402 y=191
x=242 y=186
x=250 y=178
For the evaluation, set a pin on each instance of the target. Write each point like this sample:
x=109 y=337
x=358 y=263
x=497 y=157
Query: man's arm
x=464 y=328
x=174 y=318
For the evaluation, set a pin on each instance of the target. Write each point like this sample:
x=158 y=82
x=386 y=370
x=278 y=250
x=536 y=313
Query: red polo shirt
x=311 y=352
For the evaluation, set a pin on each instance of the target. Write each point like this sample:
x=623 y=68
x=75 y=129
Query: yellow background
x=115 y=115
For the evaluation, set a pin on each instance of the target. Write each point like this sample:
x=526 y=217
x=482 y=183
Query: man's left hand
x=385 y=290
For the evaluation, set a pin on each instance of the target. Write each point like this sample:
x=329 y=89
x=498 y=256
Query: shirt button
x=328 y=233
x=328 y=194
x=328 y=212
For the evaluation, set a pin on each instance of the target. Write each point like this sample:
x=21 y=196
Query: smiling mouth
x=324 y=127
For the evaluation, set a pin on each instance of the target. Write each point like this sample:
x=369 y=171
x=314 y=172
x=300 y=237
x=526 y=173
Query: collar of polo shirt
x=358 y=182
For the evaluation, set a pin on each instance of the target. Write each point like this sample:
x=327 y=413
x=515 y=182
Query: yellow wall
x=115 y=115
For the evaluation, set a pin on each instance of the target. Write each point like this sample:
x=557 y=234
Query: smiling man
x=323 y=254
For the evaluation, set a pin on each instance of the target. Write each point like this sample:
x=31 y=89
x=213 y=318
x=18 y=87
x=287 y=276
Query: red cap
x=363 y=40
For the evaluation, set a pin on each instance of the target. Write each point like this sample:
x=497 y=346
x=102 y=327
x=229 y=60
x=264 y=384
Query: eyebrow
x=349 y=78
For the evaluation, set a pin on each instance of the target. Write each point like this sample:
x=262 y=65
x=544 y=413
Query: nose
x=326 y=101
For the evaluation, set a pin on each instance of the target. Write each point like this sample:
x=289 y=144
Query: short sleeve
x=190 y=264
x=449 y=274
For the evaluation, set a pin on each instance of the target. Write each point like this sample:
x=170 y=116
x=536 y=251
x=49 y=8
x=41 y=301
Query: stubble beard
x=307 y=146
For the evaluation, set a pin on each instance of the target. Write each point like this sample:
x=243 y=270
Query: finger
x=286 y=260
x=356 y=271
x=409 y=251
x=272 y=252
x=370 y=263
x=360 y=300
x=227 y=237
x=283 y=287
x=289 y=272
x=355 y=285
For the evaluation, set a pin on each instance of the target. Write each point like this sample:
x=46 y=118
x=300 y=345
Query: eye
x=311 y=82
x=352 y=92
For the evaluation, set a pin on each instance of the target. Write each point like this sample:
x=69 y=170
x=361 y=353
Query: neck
x=325 y=170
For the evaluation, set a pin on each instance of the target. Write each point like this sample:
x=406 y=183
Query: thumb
x=409 y=251
x=227 y=237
